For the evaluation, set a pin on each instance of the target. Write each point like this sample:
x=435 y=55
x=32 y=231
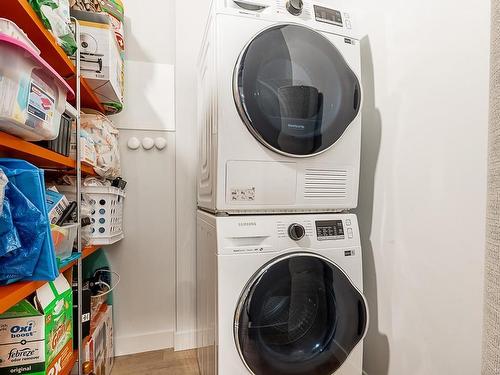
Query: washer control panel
x=330 y=230
x=327 y=15
x=278 y=233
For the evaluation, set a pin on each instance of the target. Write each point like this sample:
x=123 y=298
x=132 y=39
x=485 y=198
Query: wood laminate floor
x=163 y=362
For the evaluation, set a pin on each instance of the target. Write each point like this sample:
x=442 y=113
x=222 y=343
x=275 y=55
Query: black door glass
x=294 y=90
x=302 y=316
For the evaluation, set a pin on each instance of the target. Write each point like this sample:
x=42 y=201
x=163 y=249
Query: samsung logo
x=248 y=224
x=295 y=126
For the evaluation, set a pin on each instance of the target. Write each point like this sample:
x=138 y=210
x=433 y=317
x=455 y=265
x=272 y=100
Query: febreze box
x=22 y=340
x=38 y=341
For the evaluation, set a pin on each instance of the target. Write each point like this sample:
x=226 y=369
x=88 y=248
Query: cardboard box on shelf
x=101 y=61
x=99 y=348
x=38 y=340
x=22 y=340
x=87 y=147
x=56 y=204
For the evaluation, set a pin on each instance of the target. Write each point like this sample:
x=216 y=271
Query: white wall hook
x=133 y=143
x=148 y=143
x=160 y=143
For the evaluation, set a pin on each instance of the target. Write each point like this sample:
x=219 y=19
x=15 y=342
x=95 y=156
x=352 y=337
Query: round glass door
x=299 y=315
x=294 y=90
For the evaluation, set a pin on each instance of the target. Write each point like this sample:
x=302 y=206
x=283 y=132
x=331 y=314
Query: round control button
x=295 y=7
x=296 y=231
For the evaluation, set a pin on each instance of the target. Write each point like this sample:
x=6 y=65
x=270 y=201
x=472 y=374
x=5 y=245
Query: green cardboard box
x=38 y=340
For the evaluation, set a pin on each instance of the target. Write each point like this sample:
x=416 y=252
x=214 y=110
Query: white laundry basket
x=107 y=213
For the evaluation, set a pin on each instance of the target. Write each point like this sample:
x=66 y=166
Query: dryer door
x=299 y=315
x=295 y=91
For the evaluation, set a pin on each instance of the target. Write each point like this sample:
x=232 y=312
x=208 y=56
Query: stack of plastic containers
x=32 y=99
x=9 y=28
x=32 y=95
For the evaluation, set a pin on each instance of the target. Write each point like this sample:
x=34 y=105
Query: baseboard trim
x=185 y=340
x=147 y=342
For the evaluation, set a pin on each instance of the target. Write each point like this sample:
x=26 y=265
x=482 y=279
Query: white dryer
x=279 y=108
x=280 y=295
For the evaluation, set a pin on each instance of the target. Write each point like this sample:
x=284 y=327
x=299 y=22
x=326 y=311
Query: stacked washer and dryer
x=279 y=261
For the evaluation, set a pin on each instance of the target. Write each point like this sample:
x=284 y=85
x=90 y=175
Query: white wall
x=145 y=299
x=190 y=24
x=154 y=260
x=423 y=183
x=144 y=310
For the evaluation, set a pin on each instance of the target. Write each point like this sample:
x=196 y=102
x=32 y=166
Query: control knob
x=295 y=7
x=296 y=231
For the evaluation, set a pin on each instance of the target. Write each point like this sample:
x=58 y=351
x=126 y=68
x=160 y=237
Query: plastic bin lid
x=31 y=53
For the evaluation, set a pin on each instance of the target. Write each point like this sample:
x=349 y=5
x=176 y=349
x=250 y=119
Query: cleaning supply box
x=101 y=62
x=99 y=348
x=38 y=340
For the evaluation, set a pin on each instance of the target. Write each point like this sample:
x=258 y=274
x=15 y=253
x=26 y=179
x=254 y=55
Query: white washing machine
x=280 y=295
x=279 y=108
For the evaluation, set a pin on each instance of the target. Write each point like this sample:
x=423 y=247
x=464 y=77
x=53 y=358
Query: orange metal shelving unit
x=39 y=156
x=20 y=12
x=13 y=293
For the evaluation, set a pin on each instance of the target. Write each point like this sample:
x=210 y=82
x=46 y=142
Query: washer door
x=294 y=90
x=299 y=315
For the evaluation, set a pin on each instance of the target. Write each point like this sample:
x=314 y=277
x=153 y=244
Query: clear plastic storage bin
x=32 y=94
x=64 y=237
x=9 y=28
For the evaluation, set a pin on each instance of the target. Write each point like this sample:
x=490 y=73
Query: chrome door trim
x=242 y=111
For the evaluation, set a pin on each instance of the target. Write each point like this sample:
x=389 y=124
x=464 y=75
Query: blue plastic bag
x=3 y=183
x=9 y=238
x=30 y=182
x=29 y=222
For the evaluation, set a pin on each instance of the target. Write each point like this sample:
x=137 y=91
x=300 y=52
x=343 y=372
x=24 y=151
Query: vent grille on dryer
x=325 y=184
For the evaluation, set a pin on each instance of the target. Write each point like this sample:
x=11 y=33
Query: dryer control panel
x=329 y=16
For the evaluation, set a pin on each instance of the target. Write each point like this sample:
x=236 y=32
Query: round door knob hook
x=148 y=143
x=133 y=143
x=294 y=7
x=160 y=143
x=296 y=231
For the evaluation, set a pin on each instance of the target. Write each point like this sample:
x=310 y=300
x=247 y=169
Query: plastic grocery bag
x=24 y=241
x=9 y=238
x=29 y=180
x=105 y=137
x=3 y=183
x=56 y=18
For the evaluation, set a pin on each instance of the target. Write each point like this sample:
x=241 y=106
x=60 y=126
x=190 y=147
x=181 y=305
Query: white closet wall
x=190 y=24
x=145 y=299
x=423 y=184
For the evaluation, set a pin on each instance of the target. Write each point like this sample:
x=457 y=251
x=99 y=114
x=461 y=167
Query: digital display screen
x=328 y=15
x=330 y=230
